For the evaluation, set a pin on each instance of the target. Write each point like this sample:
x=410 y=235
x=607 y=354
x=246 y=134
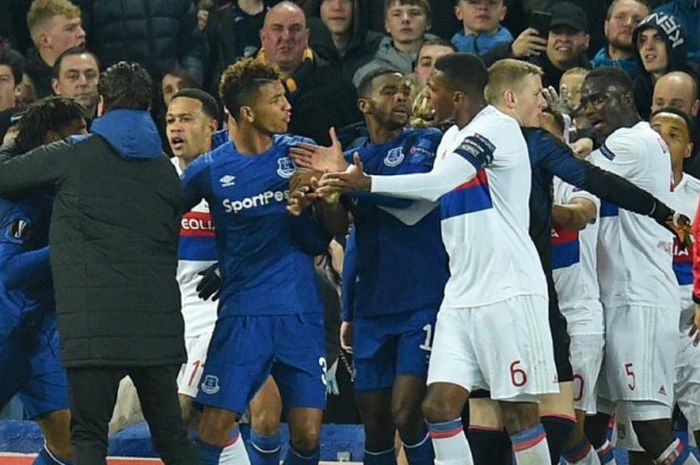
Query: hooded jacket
x=687 y=12
x=114 y=237
x=673 y=34
x=361 y=47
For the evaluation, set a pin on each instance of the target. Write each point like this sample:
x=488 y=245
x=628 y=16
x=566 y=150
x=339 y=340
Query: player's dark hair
x=464 y=72
x=14 y=60
x=241 y=81
x=209 y=105
x=364 y=89
x=690 y=124
x=189 y=81
x=612 y=76
x=125 y=85
x=42 y=116
x=438 y=41
x=56 y=70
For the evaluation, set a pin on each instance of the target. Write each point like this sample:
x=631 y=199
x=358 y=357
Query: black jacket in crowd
x=40 y=73
x=113 y=241
x=321 y=98
x=158 y=34
x=361 y=47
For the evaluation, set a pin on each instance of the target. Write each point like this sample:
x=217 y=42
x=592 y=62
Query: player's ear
x=509 y=98
x=689 y=150
x=247 y=114
x=363 y=105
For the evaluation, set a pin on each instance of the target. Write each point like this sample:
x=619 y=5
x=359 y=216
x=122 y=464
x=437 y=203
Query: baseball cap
x=569 y=14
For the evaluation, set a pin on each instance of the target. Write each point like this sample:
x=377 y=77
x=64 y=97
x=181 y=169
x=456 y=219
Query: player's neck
x=677 y=175
x=248 y=141
x=467 y=113
x=379 y=134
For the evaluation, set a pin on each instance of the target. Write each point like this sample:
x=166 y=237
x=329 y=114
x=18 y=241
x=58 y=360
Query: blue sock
x=383 y=457
x=419 y=450
x=45 y=457
x=264 y=450
x=232 y=453
x=558 y=430
x=295 y=457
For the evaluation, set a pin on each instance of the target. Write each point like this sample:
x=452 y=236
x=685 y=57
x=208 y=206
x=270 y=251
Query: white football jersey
x=635 y=252
x=485 y=213
x=574 y=264
x=685 y=201
x=197 y=252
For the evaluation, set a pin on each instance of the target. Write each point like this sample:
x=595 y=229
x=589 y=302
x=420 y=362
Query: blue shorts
x=30 y=368
x=244 y=350
x=391 y=345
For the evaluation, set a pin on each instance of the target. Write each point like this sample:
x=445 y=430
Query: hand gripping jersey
x=685 y=201
x=263 y=251
x=484 y=172
x=196 y=251
x=574 y=263
x=634 y=252
x=402 y=263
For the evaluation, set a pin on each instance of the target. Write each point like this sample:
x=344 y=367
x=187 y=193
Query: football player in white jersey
x=638 y=288
x=497 y=287
x=191 y=120
x=676 y=128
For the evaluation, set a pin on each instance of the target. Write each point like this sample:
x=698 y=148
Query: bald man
x=679 y=90
x=321 y=97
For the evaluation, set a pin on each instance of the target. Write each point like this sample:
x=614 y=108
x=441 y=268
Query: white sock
x=605 y=454
x=676 y=454
x=530 y=446
x=450 y=443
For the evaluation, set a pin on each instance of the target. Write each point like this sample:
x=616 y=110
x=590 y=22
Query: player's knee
x=56 y=429
x=407 y=416
x=438 y=409
x=216 y=426
x=265 y=422
x=306 y=437
x=519 y=416
x=654 y=436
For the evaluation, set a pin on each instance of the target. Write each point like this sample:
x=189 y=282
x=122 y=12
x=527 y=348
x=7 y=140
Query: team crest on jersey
x=210 y=385
x=394 y=157
x=19 y=230
x=227 y=180
x=286 y=167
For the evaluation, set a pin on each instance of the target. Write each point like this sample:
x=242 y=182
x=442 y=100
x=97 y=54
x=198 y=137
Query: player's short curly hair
x=125 y=85
x=241 y=81
x=47 y=114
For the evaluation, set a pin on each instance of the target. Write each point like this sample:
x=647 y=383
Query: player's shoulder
x=634 y=140
x=290 y=140
x=502 y=130
x=692 y=182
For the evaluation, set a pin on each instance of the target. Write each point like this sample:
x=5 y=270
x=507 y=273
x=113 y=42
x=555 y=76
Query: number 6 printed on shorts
x=518 y=376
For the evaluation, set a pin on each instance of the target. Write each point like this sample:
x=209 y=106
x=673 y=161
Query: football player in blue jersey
x=400 y=276
x=269 y=293
x=29 y=364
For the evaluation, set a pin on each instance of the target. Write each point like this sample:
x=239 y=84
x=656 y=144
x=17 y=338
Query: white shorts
x=190 y=372
x=641 y=344
x=586 y=359
x=687 y=389
x=505 y=347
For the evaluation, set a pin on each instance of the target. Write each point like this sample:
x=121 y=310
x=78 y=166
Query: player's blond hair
x=577 y=70
x=508 y=74
x=42 y=11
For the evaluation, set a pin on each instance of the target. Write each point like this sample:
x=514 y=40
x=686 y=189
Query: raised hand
x=529 y=43
x=319 y=158
x=353 y=179
x=680 y=225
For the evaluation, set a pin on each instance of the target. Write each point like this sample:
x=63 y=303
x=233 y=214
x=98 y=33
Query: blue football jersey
x=26 y=288
x=400 y=268
x=265 y=254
